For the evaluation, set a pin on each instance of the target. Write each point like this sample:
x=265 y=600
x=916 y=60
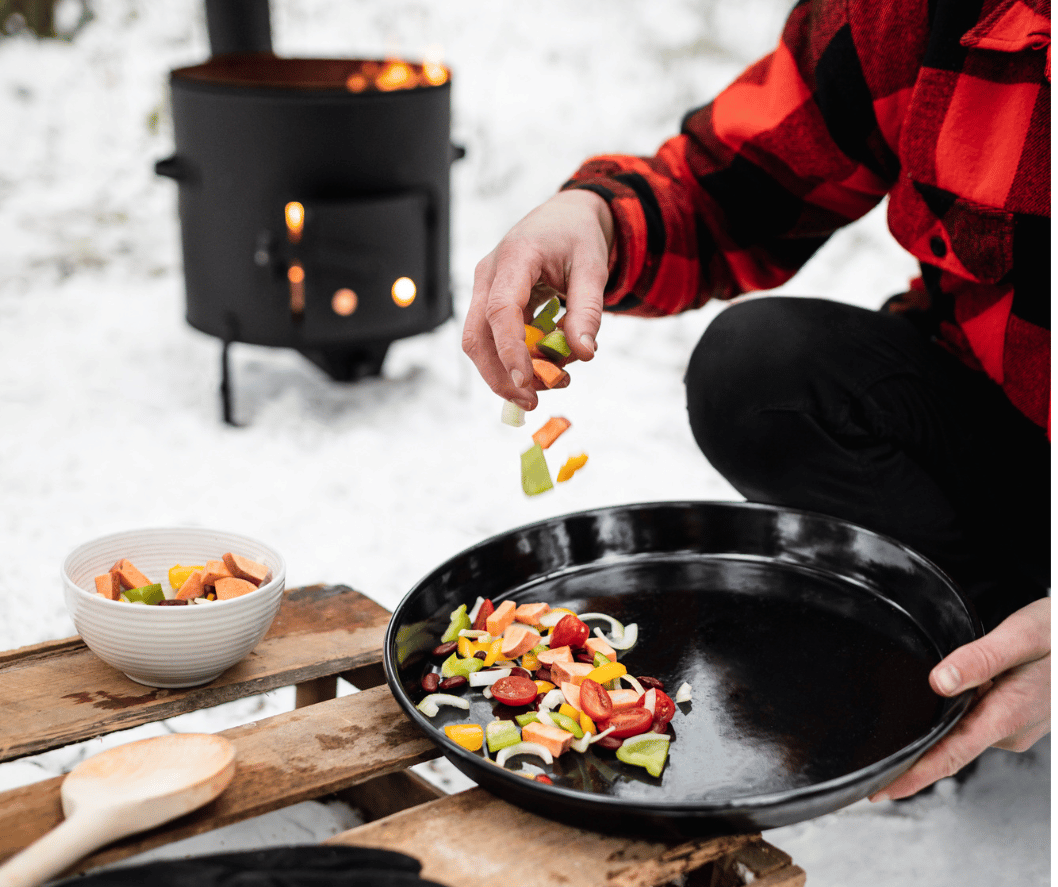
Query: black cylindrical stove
x=313 y=203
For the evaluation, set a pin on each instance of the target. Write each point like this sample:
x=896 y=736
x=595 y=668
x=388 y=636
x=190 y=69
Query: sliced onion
x=486 y=692
x=545 y=718
x=545 y=640
x=487 y=677
x=627 y=639
x=473 y=614
x=683 y=694
x=631 y=740
x=429 y=704
x=650 y=699
x=523 y=748
x=552 y=617
x=616 y=627
x=553 y=698
x=581 y=744
x=504 y=663
x=512 y=414
x=599 y=736
x=634 y=684
x=474 y=634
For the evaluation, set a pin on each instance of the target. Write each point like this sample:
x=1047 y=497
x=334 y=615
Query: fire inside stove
x=313 y=199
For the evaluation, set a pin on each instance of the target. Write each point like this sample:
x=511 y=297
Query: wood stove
x=313 y=197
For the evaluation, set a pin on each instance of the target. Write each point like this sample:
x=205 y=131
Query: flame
x=403 y=291
x=434 y=73
x=294 y=213
x=296 y=276
x=356 y=83
x=344 y=302
x=395 y=75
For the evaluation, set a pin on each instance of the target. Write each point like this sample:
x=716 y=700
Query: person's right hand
x=562 y=246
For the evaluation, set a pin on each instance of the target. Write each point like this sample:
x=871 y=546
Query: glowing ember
x=295 y=217
x=296 y=276
x=395 y=75
x=356 y=83
x=403 y=291
x=344 y=302
x=434 y=73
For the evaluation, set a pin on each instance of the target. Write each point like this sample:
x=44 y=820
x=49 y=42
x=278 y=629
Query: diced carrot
x=192 y=587
x=574 y=672
x=229 y=587
x=572 y=693
x=623 y=699
x=598 y=645
x=517 y=639
x=558 y=654
x=571 y=466
x=128 y=575
x=531 y=614
x=554 y=739
x=109 y=585
x=215 y=570
x=550 y=375
x=500 y=618
x=548 y=433
x=244 y=568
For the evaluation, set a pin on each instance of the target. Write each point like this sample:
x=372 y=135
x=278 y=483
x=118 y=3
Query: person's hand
x=1011 y=669
x=561 y=246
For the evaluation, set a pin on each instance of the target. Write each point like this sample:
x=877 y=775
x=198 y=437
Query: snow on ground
x=109 y=404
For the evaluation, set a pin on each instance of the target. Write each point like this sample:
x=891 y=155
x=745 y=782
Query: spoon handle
x=71 y=840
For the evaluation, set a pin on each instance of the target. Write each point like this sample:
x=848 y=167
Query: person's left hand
x=1011 y=667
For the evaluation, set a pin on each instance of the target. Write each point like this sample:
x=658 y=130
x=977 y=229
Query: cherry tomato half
x=595 y=701
x=570 y=631
x=486 y=609
x=515 y=690
x=630 y=722
x=664 y=709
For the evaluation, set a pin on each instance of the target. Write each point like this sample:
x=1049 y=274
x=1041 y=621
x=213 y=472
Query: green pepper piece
x=134 y=595
x=600 y=660
x=528 y=717
x=545 y=317
x=567 y=723
x=148 y=594
x=453 y=666
x=535 y=475
x=501 y=734
x=645 y=752
x=554 y=346
x=458 y=621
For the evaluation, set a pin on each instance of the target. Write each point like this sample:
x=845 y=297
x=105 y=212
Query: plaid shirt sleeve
x=942 y=105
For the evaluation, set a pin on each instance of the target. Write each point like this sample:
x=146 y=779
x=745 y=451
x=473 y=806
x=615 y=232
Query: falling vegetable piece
x=512 y=414
x=550 y=376
x=549 y=432
x=554 y=347
x=573 y=464
x=545 y=317
x=536 y=478
x=469 y=736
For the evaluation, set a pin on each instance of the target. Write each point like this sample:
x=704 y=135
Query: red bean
x=456 y=682
x=429 y=681
x=443 y=651
x=651 y=683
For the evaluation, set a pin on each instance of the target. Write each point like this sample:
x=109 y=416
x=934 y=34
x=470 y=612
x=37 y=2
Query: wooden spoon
x=122 y=791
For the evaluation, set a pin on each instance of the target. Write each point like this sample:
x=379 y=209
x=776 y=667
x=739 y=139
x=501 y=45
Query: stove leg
x=225 y=385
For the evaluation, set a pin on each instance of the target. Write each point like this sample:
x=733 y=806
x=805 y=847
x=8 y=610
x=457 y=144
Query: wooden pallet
x=357 y=747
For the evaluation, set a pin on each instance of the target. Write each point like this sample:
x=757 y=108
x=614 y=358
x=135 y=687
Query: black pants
x=823 y=406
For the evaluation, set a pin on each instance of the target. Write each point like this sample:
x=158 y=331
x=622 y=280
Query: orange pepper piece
x=573 y=463
x=470 y=736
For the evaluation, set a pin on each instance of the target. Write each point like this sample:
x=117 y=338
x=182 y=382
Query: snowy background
x=109 y=407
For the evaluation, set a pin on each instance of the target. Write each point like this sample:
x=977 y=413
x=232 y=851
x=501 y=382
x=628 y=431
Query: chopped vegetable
x=457 y=621
x=147 y=594
x=554 y=346
x=565 y=722
x=518 y=638
x=606 y=673
x=429 y=704
x=512 y=414
x=552 y=699
x=514 y=690
x=530 y=614
x=550 y=376
x=178 y=574
x=571 y=466
x=536 y=478
x=501 y=734
x=683 y=694
x=545 y=317
x=570 y=632
x=631 y=634
x=595 y=701
x=497 y=621
x=645 y=751
x=455 y=666
x=554 y=616
x=630 y=722
x=554 y=739
x=484 y=610
x=469 y=736
x=533 y=334
x=487 y=678
x=524 y=748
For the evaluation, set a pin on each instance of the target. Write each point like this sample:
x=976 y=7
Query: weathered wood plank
x=385 y=795
x=296 y=756
x=473 y=839
x=57 y=693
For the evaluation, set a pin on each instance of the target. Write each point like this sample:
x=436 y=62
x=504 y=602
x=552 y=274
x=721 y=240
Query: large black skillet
x=807 y=642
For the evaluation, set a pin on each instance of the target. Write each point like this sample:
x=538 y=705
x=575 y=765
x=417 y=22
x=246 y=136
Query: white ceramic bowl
x=170 y=646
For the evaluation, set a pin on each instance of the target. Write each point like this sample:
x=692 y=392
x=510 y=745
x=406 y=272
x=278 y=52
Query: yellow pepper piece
x=466 y=648
x=532 y=336
x=558 y=610
x=572 y=464
x=530 y=662
x=606 y=673
x=543 y=687
x=587 y=724
x=492 y=650
x=569 y=711
x=178 y=574
x=470 y=736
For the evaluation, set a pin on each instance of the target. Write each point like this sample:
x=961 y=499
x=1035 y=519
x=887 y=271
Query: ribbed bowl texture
x=170 y=646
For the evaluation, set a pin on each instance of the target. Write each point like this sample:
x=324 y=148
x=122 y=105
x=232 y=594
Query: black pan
x=807 y=642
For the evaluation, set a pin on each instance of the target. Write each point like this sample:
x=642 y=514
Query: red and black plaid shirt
x=944 y=105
